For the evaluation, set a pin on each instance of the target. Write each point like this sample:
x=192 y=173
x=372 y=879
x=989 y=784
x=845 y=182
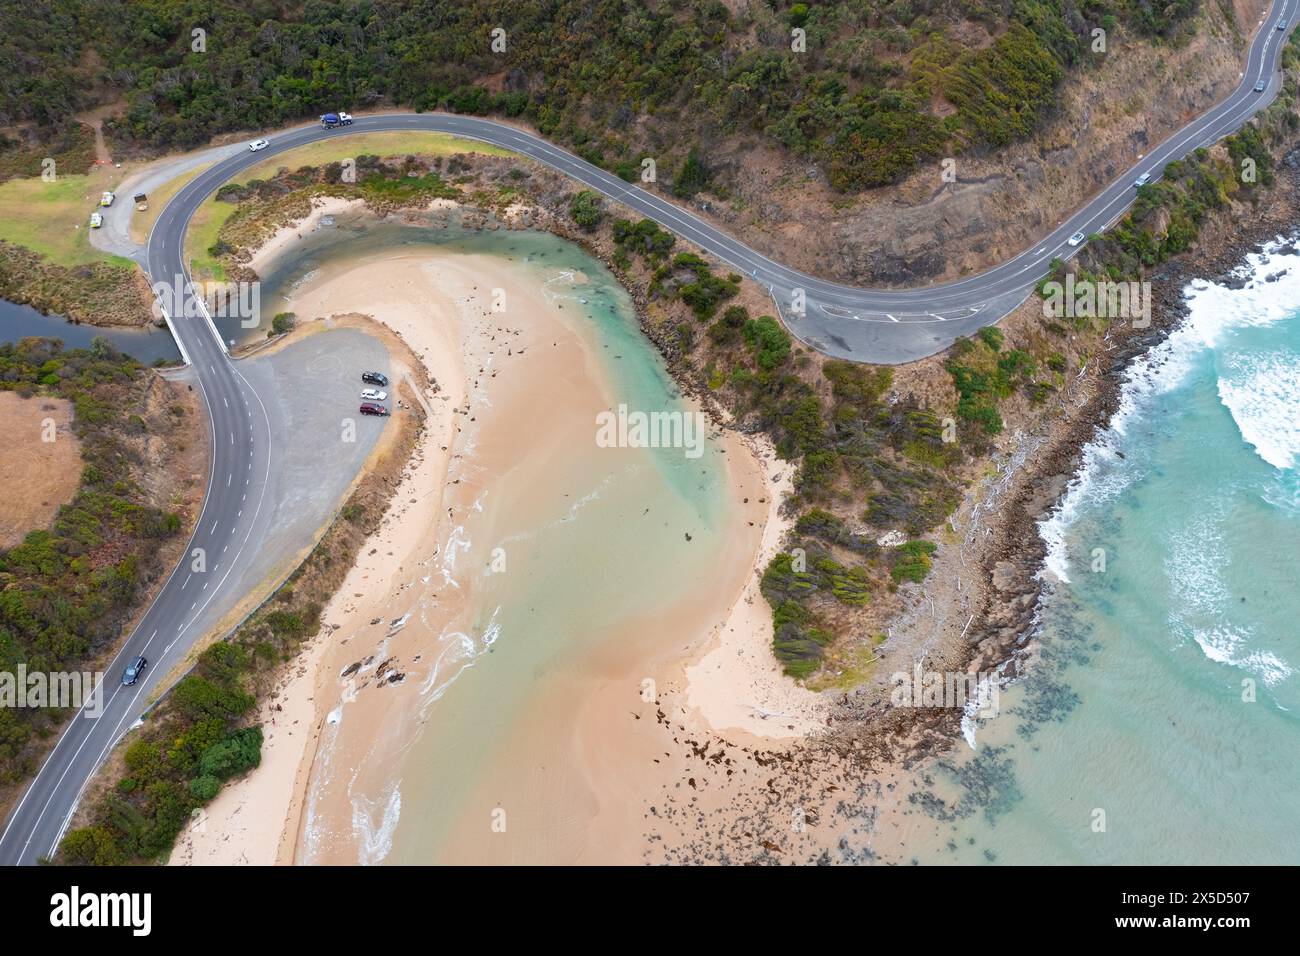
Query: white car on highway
x=373 y=394
x=96 y=220
x=106 y=199
x=1077 y=238
x=258 y=144
x=1142 y=180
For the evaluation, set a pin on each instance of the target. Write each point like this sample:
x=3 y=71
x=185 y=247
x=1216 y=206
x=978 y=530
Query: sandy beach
x=718 y=670
x=246 y=822
x=736 y=686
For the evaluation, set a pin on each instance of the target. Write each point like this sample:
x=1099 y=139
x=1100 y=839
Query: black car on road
x=133 y=671
x=374 y=378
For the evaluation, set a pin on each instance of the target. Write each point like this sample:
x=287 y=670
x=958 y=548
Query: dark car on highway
x=370 y=408
x=133 y=671
x=374 y=378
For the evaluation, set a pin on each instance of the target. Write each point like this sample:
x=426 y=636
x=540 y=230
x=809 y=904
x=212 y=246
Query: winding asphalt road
x=870 y=326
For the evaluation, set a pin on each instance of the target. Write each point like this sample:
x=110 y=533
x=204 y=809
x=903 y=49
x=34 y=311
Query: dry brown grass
x=37 y=475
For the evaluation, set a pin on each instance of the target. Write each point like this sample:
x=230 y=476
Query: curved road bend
x=881 y=326
x=183 y=610
x=890 y=326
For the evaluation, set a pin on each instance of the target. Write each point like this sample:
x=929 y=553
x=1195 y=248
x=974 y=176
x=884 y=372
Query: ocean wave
x=1284 y=493
x=1213 y=310
x=457 y=540
x=1103 y=473
x=1228 y=645
x=1204 y=603
x=1263 y=394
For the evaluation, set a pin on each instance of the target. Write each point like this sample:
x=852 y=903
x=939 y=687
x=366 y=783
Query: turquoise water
x=1167 y=697
x=598 y=543
x=605 y=549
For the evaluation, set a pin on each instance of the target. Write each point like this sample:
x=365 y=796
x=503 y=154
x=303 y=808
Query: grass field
x=212 y=215
x=372 y=144
x=205 y=226
x=54 y=218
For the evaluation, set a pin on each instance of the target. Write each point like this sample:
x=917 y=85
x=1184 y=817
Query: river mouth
x=495 y=657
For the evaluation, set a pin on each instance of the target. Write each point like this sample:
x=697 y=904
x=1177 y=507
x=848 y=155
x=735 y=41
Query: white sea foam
x=1213 y=310
x=1225 y=644
x=1203 y=604
x=1195 y=555
x=457 y=651
x=375 y=838
x=458 y=540
x=1263 y=394
x=982 y=705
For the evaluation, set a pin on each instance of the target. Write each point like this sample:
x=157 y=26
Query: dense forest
x=881 y=86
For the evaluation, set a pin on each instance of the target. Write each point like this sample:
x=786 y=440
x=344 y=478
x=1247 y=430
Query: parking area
x=311 y=388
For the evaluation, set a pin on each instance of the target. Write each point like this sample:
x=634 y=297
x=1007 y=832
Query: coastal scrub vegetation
x=872 y=464
x=1167 y=216
x=878 y=87
x=67 y=591
x=193 y=743
x=97 y=293
x=587 y=210
x=46 y=257
x=68 y=149
x=983 y=374
x=243 y=214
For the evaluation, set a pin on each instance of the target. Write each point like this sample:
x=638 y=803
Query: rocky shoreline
x=1013 y=560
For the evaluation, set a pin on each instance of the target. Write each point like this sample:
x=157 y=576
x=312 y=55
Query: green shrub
x=769 y=343
x=912 y=561
x=587 y=210
x=205 y=788
x=240 y=751
x=693 y=176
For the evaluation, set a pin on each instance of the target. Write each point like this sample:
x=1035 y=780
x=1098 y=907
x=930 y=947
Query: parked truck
x=330 y=120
